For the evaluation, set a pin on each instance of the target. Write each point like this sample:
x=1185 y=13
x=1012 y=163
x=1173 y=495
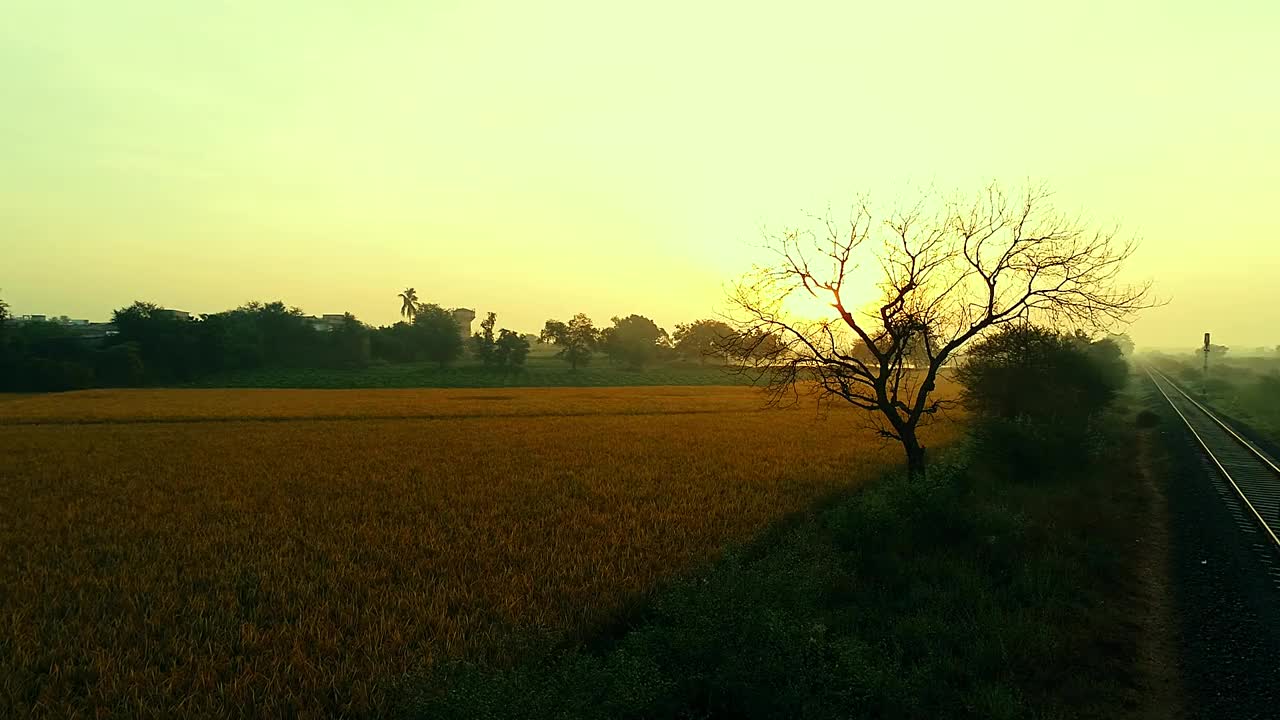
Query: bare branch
x=950 y=271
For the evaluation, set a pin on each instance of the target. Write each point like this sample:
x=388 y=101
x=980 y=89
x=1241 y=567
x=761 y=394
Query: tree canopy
x=506 y=351
x=577 y=339
x=634 y=341
x=702 y=339
x=483 y=342
x=408 y=303
x=1027 y=372
x=436 y=334
x=511 y=349
x=1123 y=342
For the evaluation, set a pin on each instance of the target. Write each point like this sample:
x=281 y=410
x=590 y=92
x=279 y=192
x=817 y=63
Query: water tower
x=464 y=316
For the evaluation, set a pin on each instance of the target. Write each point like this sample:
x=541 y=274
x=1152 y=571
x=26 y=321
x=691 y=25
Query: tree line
x=635 y=341
x=154 y=346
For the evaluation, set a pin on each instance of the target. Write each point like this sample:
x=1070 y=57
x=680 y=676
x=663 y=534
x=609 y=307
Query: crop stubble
x=174 y=557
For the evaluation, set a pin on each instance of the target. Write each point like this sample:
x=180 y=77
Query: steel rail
x=1261 y=459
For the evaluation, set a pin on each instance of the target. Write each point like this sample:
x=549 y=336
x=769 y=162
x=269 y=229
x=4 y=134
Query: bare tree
x=948 y=271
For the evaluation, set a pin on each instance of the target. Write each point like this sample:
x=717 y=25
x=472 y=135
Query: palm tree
x=409 y=303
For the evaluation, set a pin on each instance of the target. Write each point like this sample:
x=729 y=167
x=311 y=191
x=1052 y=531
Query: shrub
x=119 y=365
x=1033 y=393
x=44 y=375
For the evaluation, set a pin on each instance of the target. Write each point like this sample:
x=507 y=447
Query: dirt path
x=1160 y=695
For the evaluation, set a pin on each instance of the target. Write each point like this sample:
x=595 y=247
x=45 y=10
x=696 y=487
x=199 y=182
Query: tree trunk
x=915 y=455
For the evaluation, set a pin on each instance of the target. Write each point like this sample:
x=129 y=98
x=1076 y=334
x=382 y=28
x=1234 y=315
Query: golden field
x=246 y=553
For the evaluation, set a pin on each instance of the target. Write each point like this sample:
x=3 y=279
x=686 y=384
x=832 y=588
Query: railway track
x=1246 y=477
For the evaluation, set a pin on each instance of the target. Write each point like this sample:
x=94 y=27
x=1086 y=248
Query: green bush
x=45 y=375
x=119 y=366
x=1034 y=394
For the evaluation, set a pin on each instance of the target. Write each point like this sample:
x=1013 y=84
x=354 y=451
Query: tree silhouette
x=949 y=271
x=483 y=342
x=634 y=340
x=510 y=349
x=576 y=339
x=435 y=334
x=1123 y=342
x=409 y=303
x=701 y=339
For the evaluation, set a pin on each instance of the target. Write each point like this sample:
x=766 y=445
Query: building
x=464 y=318
x=327 y=322
x=178 y=314
x=59 y=319
x=74 y=327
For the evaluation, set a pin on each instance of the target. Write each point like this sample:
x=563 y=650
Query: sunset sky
x=540 y=159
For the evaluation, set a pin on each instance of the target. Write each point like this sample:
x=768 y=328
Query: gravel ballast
x=1225 y=592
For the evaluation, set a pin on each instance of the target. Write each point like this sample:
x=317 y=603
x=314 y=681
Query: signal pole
x=1204 y=372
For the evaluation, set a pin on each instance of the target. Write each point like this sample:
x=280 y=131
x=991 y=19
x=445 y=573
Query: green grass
x=972 y=594
x=539 y=372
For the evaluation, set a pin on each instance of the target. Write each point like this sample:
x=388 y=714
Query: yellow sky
x=540 y=159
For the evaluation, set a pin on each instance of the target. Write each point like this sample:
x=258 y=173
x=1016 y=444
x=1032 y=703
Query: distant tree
x=228 y=341
x=394 y=343
x=119 y=366
x=754 y=347
x=576 y=339
x=552 y=331
x=634 y=340
x=483 y=344
x=409 y=304
x=287 y=337
x=132 y=320
x=44 y=356
x=1108 y=361
x=511 y=349
x=1123 y=342
x=50 y=356
x=8 y=357
x=436 y=334
x=1215 y=350
x=349 y=342
x=167 y=343
x=702 y=339
x=48 y=375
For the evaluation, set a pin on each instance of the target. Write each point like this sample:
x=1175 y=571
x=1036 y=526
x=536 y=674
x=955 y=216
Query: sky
x=543 y=159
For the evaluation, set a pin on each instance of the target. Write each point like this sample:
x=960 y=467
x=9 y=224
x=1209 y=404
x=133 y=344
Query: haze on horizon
x=540 y=161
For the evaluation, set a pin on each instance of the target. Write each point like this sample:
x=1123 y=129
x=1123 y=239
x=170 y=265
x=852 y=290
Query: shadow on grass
x=969 y=594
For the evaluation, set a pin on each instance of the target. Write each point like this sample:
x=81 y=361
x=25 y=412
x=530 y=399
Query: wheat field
x=193 y=553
